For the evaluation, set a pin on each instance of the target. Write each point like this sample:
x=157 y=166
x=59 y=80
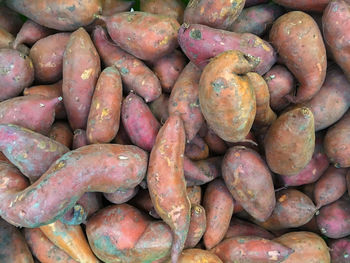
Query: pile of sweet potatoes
x=189 y=131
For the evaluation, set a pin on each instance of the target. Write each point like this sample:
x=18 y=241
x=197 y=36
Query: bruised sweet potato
x=121 y=233
x=10 y=20
x=171 y=8
x=66 y=16
x=79 y=139
x=200 y=43
x=166 y=181
x=139 y=122
x=81 y=68
x=196 y=255
x=156 y=37
x=197 y=227
x=290 y=141
x=307 y=246
x=61 y=132
x=16 y=73
x=197 y=149
x=218 y=204
x=304 y=5
x=159 y=108
x=135 y=74
x=121 y=196
x=33 y=112
x=13 y=246
x=306 y=57
x=251 y=249
x=223 y=83
x=111 y=7
x=340 y=250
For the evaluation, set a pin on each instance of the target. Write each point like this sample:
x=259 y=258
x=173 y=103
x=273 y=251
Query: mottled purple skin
x=93 y=168
x=200 y=43
x=31 y=152
x=121 y=195
x=139 y=122
x=79 y=139
x=340 y=250
x=333 y=220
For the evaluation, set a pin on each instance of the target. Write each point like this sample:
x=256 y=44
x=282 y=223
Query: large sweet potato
x=340 y=250
x=171 y=8
x=304 y=5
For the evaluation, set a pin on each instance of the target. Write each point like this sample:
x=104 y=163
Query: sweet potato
x=308 y=5
x=280 y=83
x=215 y=143
x=290 y=141
x=194 y=194
x=49 y=91
x=257 y=19
x=200 y=43
x=33 y=112
x=61 y=132
x=13 y=246
x=6 y=38
x=217 y=14
x=196 y=255
x=47 y=57
x=251 y=249
x=156 y=37
x=197 y=149
x=197 y=227
x=121 y=233
x=340 y=250
x=111 y=7
x=16 y=73
x=171 y=8
x=293 y=209
x=337 y=142
x=134 y=73
x=334 y=219
x=159 y=108
x=79 y=139
x=306 y=58
x=65 y=16
x=10 y=20
x=166 y=181
x=139 y=122
x=121 y=196
x=330 y=187
x=307 y=246
x=81 y=68
x=118 y=166
x=223 y=83
x=218 y=204
x=31 y=152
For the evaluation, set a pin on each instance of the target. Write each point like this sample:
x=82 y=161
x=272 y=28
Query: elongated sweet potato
x=121 y=196
x=33 y=112
x=290 y=141
x=61 y=132
x=197 y=227
x=10 y=20
x=17 y=73
x=121 y=233
x=159 y=108
x=166 y=181
x=79 y=139
x=251 y=249
x=307 y=246
x=196 y=255
x=337 y=142
x=302 y=5
x=66 y=16
x=31 y=152
x=13 y=246
x=111 y=7
x=156 y=38
x=139 y=122
x=81 y=68
x=117 y=166
x=306 y=57
x=197 y=149
x=340 y=250
x=200 y=43
x=135 y=74
x=218 y=204
x=171 y=8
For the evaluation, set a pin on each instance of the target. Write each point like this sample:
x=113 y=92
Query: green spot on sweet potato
x=218 y=85
x=196 y=34
x=124 y=71
x=71 y=8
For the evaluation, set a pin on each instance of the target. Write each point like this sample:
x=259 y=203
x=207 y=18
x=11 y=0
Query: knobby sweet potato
x=171 y=8
x=10 y=20
x=61 y=132
x=304 y=5
x=79 y=139
x=121 y=196
x=159 y=108
x=196 y=255
x=340 y=250
x=197 y=227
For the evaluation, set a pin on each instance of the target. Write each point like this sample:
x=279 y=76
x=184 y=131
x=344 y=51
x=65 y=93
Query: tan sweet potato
x=171 y=8
x=159 y=108
x=196 y=255
x=61 y=132
x=10 y=20
x=340 y=250
x=121 y=196
x=197 y=227
x=79 y=139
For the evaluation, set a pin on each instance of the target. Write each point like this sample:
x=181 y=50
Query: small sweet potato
x=200 y=43
x=66 y=16
x=306 y=58
x=197 y=227
x=290 y=141
x=111 y=7
x=304 y=5
x=16 y=73
x=140 y=124
x=10 y=20
x=79 y=139
x=121 y=233
x=61 y=132
x=340 y=250
x=307 y=247
x=251 y=249
x=81 y=68
x=194 y=194
x=197 y=149
x=218 y=204
x=156 y=37
x=215 y=143
x=135 y=74
x=121 y=195
x=172 y=8
x=196 y=255
x=159 y=108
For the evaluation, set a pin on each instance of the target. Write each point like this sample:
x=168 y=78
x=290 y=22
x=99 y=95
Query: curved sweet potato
x=340 y=250
x=61 y=132
x=79 y=139
x=290 y=141
x=159 y=107
x=10 y=20
x=171 y=8
x=166 y=181
x=304 y=5
x=66 y=16
x=196 y=255
x=81 y=68
x=121 y=196
x=306 y=58
x=197 y=227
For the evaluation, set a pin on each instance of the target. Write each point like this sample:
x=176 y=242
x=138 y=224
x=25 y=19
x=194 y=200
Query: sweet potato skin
x=306 y=58
x=171 y=8
x=121 y=196
x=194 y=194
x=79 y=139
x=340 y=250
x=51 y=13
x=159 y=108
x=197 y=227
x=61 y=132
x=17 y=73
x=81 y=68
x=302 y=5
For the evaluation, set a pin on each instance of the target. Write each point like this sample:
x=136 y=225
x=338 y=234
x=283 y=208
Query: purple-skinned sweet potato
x=200 y=43
x=81 y=68
x=10 y=20
x=340 y=250
x=121 y=195
x=16 y=73
x=62 y=133
x=79 y=139
x=304 y=5
x=171 y=8
x=136 y=76
x=159 y=107
x=139 y=122
x=306 y=58
x=198 y=226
